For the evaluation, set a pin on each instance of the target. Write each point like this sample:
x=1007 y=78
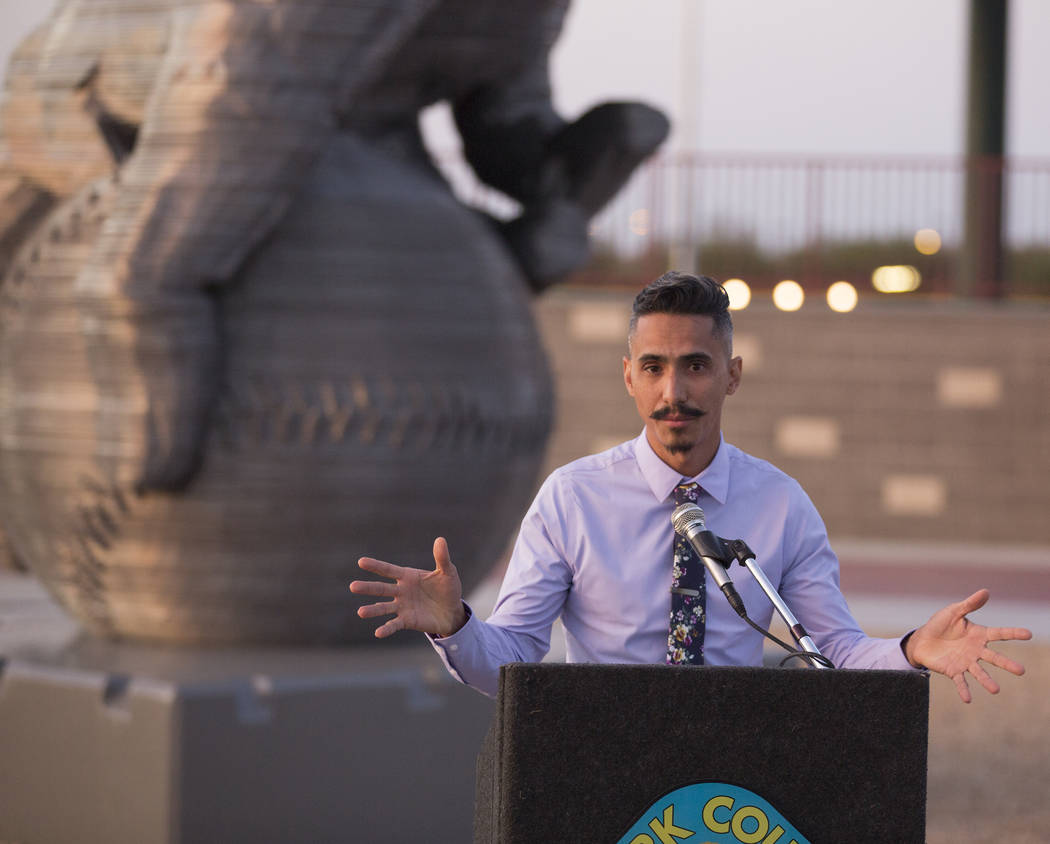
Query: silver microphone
x=688 y=521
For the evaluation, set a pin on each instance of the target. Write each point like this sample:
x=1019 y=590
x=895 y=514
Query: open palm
x=950 y=644
x=428 y=601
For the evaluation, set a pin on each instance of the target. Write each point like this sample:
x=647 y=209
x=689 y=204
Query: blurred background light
x=898 y=278
x=928 y=241
x=788 y=295
x=739 y=294
x=842 y=297
x=639 y=222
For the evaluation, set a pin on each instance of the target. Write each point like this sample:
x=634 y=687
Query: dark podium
x=612 y=754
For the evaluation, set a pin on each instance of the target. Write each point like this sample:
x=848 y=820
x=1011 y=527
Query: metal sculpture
x=246 y=331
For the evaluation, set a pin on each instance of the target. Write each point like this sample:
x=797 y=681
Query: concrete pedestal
x=118 y=743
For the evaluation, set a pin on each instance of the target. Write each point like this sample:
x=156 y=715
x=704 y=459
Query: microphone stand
x=746 y=557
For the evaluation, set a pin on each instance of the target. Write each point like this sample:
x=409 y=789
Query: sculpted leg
x=584 y=165
x=562 y=173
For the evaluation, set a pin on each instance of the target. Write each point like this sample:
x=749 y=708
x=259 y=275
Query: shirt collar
x=662 y=479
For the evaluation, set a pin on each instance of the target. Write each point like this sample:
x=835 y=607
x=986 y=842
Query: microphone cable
x=792 y=652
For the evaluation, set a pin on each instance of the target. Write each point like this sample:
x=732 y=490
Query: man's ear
x=736 y=371
x=627 y=376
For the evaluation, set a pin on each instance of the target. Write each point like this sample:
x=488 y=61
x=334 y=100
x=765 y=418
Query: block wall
x=902 y=420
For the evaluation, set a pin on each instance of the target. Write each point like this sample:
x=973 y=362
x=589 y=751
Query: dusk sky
x=814 y=76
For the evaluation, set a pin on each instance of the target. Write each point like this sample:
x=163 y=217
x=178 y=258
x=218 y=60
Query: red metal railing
x=770 y=217
x=803 y=216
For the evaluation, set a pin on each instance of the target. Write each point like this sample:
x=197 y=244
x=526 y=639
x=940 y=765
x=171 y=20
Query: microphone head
x=686 y=516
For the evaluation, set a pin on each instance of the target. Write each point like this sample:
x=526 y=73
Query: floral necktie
x=685 y=637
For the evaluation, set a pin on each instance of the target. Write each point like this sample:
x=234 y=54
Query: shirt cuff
x=470 y=614
x=904 y=653
x=447 y=646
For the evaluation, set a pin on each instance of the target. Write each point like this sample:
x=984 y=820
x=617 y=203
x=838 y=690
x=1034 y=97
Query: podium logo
x=712 y=813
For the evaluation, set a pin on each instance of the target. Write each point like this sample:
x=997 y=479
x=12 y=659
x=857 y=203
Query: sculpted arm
x=243 y=104
x=41 y=90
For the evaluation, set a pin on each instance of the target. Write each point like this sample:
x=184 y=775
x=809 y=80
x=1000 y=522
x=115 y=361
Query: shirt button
x=453 y=648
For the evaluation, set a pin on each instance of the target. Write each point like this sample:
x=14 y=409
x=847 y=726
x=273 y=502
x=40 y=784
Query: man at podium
x=598 y=550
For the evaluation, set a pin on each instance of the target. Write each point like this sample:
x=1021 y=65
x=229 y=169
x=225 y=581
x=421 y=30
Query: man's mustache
x=676 y=410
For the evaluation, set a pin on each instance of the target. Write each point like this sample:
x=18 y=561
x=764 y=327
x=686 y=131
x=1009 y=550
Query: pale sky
x=813 y=76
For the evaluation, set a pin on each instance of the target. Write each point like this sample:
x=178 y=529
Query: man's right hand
x=428 y=601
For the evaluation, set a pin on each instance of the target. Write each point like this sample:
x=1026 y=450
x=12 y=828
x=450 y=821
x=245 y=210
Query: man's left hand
x=952 y=645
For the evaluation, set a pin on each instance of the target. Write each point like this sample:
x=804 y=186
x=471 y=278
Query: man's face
x=679 y=374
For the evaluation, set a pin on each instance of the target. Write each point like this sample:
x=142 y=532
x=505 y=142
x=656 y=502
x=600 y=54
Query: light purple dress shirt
x=595 y=548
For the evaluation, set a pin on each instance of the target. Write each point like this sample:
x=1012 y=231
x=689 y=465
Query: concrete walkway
x=891 y=587
x=894 y=586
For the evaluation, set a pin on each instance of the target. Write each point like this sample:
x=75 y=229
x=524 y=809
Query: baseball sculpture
x=247 y=332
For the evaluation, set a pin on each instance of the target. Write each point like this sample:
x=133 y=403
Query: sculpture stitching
x=243 y=315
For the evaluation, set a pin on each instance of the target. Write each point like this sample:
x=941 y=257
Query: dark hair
x=681 y=293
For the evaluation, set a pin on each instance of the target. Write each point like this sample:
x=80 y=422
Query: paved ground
x=989 y=762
